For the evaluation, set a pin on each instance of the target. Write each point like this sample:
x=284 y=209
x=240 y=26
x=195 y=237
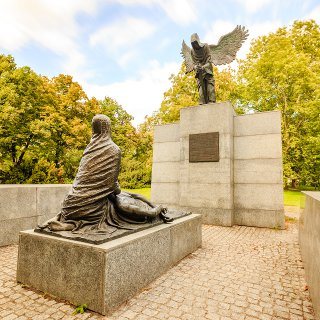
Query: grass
x=291 y=198
x=146 y=192
x=291 y=219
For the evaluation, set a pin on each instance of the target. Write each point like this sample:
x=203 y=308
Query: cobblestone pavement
x=239 y=273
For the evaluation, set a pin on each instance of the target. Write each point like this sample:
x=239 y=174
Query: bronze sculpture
x=95 y=204
x=201 y=56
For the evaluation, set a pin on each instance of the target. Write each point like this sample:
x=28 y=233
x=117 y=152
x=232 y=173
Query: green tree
x=123 y=132
x=281 y=72
x=68 y=115
x=184 y=93
x=135 y=164
x=22 y=97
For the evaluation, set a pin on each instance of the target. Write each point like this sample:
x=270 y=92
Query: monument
x=91 y=252
x=202 y=55
x=225 y=166
x=95 y=210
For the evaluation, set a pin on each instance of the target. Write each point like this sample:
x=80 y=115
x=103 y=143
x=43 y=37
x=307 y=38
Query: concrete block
x=309 y=240
x=215 y=117
x=259 y=218
x=165 y=172
x=66 y=269
x=258 y=196
x=206 y=195
x=166 y=151
x=165 y=193
x=206 y=172
x=257 y=123
x=185 y=238
x=17 y=201
x=104 y=276
x=258 y=147
x=258 y=171
x=49 y=200
x=167 y=133
x=132 y=265
x=212 y=216
x=9 y=229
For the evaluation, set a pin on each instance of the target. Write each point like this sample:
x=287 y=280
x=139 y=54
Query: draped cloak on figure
x=87 y=209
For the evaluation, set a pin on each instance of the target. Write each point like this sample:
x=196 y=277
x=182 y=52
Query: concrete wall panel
x=258 y=171
x=167 y=133
x=259 y=218
x=17 y=201
x=258 y=147
x=309 y=240
x=204 y=172
x=206 y=195
x=257 y=123
x=165 y=172
x=216 y=117
x=166 y=151
x=49 y=200
x=165 y=193
x=258 y=196
x=10 y=228
x=24 y=206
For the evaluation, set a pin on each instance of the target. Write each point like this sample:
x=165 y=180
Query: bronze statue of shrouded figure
x=202 y=56
x=95 y=203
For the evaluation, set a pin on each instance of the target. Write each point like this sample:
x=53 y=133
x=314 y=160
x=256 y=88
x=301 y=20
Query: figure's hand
x=117 y=189
x=198 y=68
x=164 y=210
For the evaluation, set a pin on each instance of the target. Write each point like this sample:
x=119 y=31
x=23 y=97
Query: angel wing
x=228 y=45
x=186 y=53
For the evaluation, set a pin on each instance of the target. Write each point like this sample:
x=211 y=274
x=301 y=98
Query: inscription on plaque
x=204 y=147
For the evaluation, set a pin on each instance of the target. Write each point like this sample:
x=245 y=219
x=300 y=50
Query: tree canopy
x=282 y=72
x=45 y=123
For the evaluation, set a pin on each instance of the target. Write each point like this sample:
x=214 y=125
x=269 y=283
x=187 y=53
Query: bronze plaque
x=204 y=147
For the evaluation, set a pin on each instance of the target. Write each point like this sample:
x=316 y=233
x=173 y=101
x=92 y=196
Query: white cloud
x=216 y=30
x=314 y=14
x=140 y=96
x=181 y=12
x=51 y=24
x=221 y=27
x=253 y=6
x=125 y=58
x=122 y=33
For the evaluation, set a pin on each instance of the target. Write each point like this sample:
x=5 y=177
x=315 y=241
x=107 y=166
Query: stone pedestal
x=104 y=276
x=309 y=240
x=244 y=187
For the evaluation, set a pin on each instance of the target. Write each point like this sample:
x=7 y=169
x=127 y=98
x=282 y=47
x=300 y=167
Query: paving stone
x=240 y=273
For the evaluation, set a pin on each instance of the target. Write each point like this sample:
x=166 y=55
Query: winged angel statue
x=202 y=55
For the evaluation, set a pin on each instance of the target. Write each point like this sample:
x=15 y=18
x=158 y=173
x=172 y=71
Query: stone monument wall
x=243 y=187
x=258 y=188
x=166 y=164
x=309 y=240
x=24 y=206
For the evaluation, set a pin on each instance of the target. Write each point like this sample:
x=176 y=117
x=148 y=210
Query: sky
x=127 y=49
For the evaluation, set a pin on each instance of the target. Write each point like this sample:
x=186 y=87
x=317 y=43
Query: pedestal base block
x=104 y=276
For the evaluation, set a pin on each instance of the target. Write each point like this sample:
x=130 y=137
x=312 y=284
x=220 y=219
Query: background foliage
x=45 y=123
